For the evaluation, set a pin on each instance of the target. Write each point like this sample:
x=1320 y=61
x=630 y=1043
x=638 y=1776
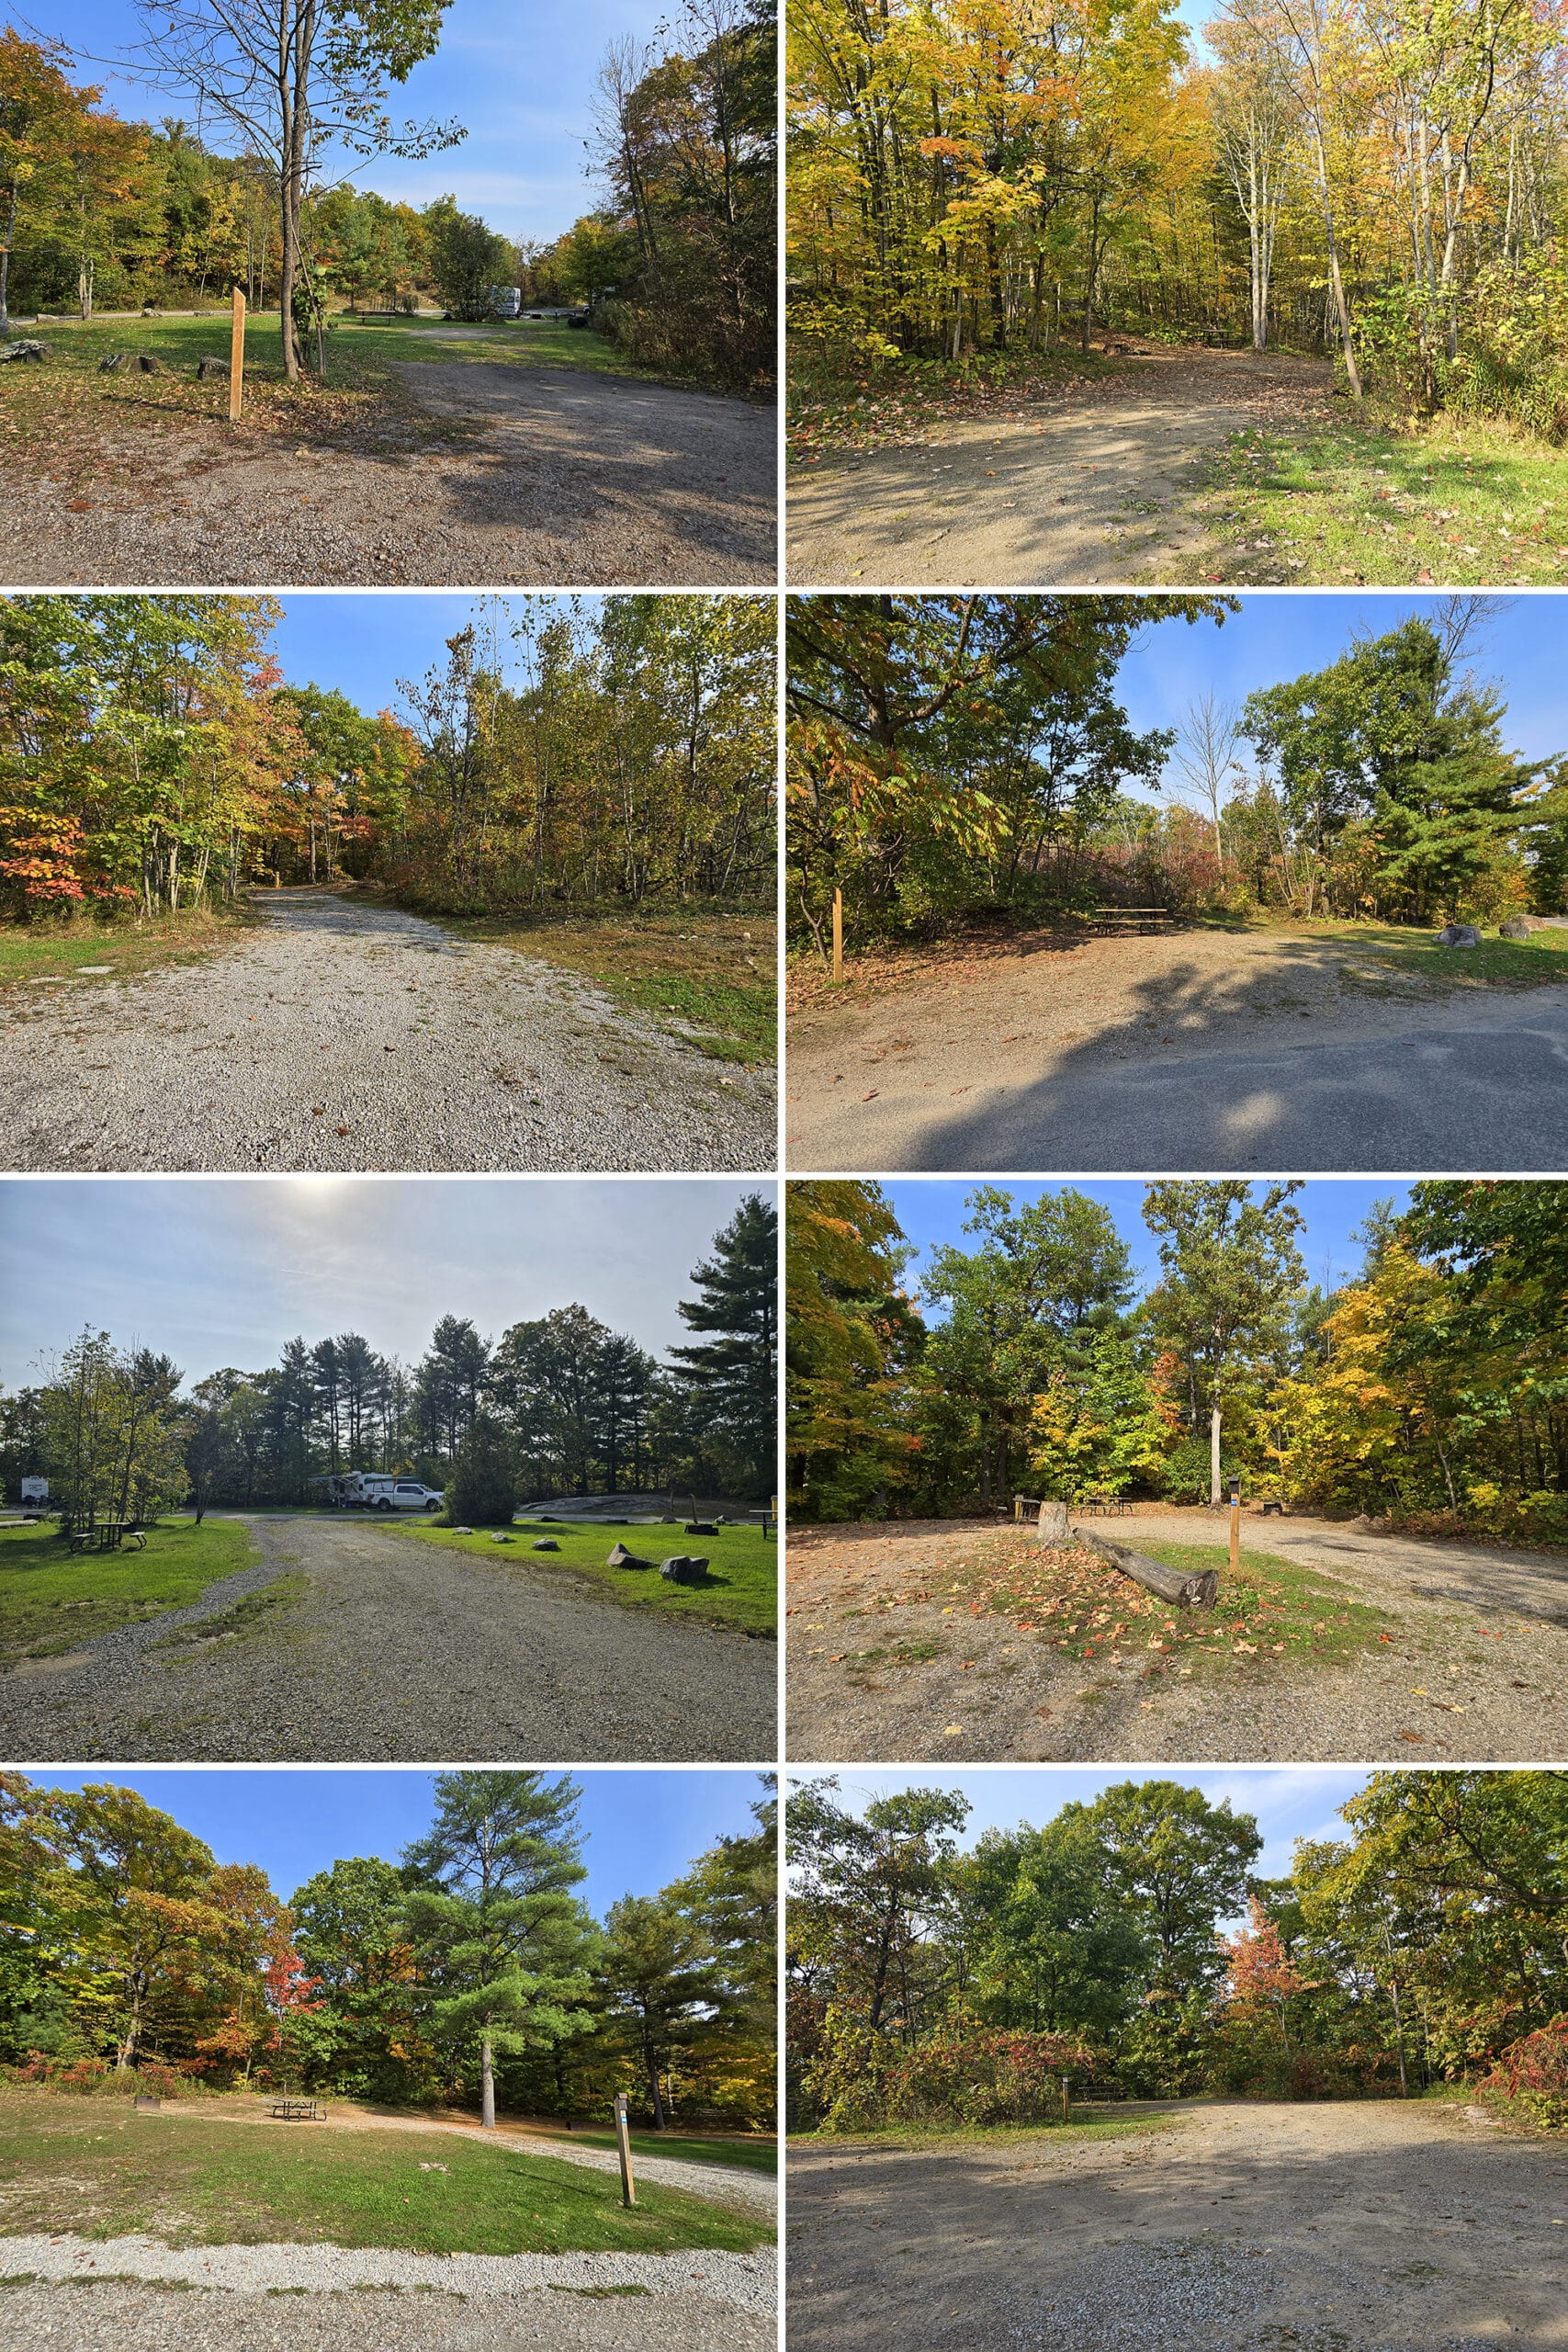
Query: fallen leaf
x=342 y=1131
x=1417 y=1735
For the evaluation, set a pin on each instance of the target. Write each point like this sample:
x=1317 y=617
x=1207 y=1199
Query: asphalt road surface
x=382 y=1649
x=1432 y=2230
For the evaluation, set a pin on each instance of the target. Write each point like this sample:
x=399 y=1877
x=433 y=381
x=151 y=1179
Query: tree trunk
x=1215 y=1497
x=487 y=2085
x=651 y=2061
x=1173 y=1585
x=6 y=259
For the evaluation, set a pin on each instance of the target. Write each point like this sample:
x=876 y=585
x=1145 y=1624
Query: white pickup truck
x=378 y=1490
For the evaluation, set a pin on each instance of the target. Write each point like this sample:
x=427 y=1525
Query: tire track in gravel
x=347 y=1036
x=396 y=1652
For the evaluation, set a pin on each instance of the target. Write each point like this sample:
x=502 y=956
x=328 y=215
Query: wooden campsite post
x=1235 y=1525
x=624 y=2143
x=838 y=937
x=1066 y=2095
x=237 y=359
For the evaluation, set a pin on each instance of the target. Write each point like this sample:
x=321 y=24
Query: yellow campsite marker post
x=624 y=2144
x=237 y=359
x=1235 y=1525
x=838 y=937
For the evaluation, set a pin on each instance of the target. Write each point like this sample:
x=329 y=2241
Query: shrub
x=482 y=1490
x=1533 y=2073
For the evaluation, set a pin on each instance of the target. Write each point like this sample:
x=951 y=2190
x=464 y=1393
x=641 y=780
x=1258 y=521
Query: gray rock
x=146 y=366
x=702 y=1527
x=112 y=362
x=497 y=1537
x=27 y=349
x=1515 y=928
x=207 y=369
x=621 y=1558
x=547 y=1544
x=1458 y=935
x=683 y=1567
x=462 y=1530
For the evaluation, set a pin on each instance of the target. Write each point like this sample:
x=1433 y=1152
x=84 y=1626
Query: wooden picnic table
x=1148 y=918
x=298 y=2110
x=108 y=1535
x=1104 y=1506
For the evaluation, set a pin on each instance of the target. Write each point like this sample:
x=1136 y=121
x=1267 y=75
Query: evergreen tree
x=732 y=1374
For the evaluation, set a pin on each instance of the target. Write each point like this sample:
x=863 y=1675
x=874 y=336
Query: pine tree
x=732 y=1376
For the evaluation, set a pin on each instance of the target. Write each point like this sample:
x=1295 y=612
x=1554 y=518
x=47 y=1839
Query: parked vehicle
x=378 y=1490
x=407 y=1494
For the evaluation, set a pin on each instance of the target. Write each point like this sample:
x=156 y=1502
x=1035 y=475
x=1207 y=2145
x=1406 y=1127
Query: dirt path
x=382 y=1650
x=1089 y=486
x=1477 y=1672
x=344 y=1034
x=566 y=478
x=1431 y=2228
x=1202 y=1049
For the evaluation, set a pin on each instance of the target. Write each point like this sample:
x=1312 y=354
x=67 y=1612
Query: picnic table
x=108 y=1535
x=1147 y=919
x=1104 y=1506
x=298 y=2110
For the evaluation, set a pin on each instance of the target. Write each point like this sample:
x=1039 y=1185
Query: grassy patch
x=31 y=954
x=67 y=2165
x=751 y=2155
x=519 y=343
x=742 y=1580
x=900 y=407
x=1447 y=501
x=52 y=1601
x=247 y=1615
x=713 y=975
x=894 y=2136
x=1397 y=957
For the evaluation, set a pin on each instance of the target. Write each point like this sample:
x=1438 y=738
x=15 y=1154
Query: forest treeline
x=558 y=1405
x=1129 y=1943
x=1429 y=1388
x=677 y=261
x=131 y=1957
x=1365 y=177
x=964 y=759
x=152 y=755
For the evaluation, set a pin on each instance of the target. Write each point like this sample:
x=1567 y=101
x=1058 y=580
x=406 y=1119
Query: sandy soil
x=344 y=1034
x=1091 y=485
x=1432 y=2230
x=1477 y=1672
x=566 y=478
x=1198 y=1048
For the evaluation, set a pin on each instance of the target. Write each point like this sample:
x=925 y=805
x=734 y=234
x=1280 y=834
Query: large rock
x=112 y=362
x=27 y=349
x=497 y=1537
x=1515 y=928
x=547 y=1544
x=208 y=367
x=621 y=1558
x=1458 y=935
x=683 y=1567
x=702 y=1527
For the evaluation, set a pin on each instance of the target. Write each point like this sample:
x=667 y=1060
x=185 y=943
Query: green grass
x=522 y=343
x=934 y=2135
x=188 y=2180
x=751 y=2155
x=741 y=1590
x=1359 y=500
x=50 y=1601
x=31 y=952
x=1285 y=1611
x=1397 y=956
x=712 y=973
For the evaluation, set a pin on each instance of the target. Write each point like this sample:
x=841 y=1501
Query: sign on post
x=624 y=2144
x=1236 y=1526
x=838 y=937
x=237 y=359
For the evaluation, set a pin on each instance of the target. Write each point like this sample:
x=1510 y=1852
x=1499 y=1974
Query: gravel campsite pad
x=346 y=1035
x=889 y=1657
x=1354 y=2226
x=1092 y=483
x=561 y=476
x=350 y=1644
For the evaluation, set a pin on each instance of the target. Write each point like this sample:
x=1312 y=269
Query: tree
x=466 y=258
x=1180 y=1864
x=40 y=115
x=731 y=1375
x=1230 y=1266
x=289 y=77
x=481 y=1490
x=657 y=1979
x=850 y=1337
x=506 y=1943
x=867 y=1882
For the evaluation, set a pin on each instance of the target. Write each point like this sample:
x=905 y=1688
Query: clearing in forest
x=932 y=1638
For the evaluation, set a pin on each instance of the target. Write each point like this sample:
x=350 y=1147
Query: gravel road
x=567 y=478
x=394 y=1651
x=342 y=1035
x=1092 y=484
x=1477 y=1672
x=1194 y=1051
x=1432 y=2230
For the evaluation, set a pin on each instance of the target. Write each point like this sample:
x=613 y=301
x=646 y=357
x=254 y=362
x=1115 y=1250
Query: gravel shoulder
x=346 y=1035
x=1198 y=1050
x=561 y=477
x=1431 y=2228
x=1092 y=483
x=376 y=1650
x=1477 y=1672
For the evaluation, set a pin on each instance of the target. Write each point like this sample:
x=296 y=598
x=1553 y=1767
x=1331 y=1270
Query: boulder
x=1458 y=935
x=462 y=1530
x=683 y=1567
x=621 y=1558
x=702 y=1527
x=1515 y=928
x=112 y=362
x=497 y=1537
x=24 y=350
x=146 y=366
x=207 y=369
x=547 y=1544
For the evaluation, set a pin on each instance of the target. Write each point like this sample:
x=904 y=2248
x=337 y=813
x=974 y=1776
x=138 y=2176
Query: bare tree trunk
x=487 y=2085
x=1215 y=1497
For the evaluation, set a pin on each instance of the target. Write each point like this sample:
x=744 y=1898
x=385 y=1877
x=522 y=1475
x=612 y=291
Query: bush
x=1533 y=2073
x=482 y=1488
x=964 y=2074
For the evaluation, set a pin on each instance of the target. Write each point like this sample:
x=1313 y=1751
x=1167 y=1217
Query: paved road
x=1090 y=483
x=1482 y=1083
x=343 y=1035
x=1431 y=2232
x=383 y=1649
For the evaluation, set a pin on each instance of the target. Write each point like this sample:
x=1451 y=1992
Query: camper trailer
x=377 y=1490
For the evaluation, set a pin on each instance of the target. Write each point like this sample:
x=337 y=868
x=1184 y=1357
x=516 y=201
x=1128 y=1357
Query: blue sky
x=363 y=645
x=642 y=1829
x=222 y=1270
x=519 y=77
x=1287 y=1801
x=932 y=1211
x=1275 y=637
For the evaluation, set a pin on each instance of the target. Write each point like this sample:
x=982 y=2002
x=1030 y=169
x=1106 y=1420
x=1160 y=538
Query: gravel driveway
x=344 y=1035
x=1198 y=1050
x=1477 y=1672
x=567 y=478
x=1090 y=484
x=1432 y=2230
x=395 y=1651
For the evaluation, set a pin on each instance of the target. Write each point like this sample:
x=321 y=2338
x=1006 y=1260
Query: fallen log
x=1182 y=1590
